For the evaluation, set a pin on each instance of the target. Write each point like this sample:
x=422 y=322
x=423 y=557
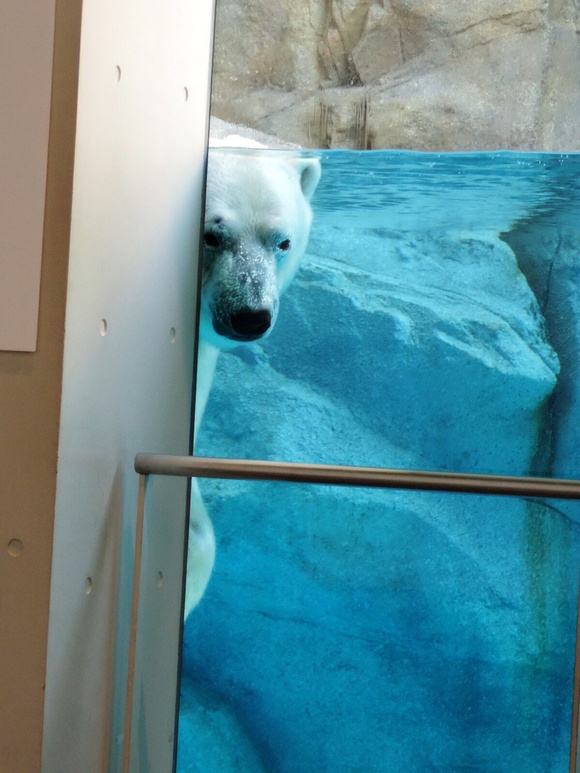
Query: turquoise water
x=421 y=191
x=432 y=325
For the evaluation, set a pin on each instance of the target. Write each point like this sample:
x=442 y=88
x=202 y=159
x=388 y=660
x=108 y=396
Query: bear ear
x=309 y=171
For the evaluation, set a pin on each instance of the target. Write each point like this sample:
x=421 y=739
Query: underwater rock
x=211 y=737
x=370 y=640
x=387 y=631
x=548 y=254
x=433 y=341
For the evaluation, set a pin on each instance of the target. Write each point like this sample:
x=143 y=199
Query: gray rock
x=211 y=737
x=441 y=329
x=402 y=74
x=548 y=253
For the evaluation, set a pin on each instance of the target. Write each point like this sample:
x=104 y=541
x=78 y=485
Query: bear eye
x=211 y=239
x=284 y=245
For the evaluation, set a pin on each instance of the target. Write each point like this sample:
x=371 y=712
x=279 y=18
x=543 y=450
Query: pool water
x=411 y=191
x=433 y=325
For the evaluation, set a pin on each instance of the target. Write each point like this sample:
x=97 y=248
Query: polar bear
x=257 y=223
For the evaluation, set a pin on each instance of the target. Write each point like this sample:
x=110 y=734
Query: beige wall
x=30 y=388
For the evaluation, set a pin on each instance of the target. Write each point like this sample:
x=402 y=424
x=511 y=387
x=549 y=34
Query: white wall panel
x=129 y=342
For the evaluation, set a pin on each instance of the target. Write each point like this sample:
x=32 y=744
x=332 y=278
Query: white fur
x=257 y=224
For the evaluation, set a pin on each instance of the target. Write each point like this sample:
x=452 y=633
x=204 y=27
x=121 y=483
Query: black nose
x=251 y=323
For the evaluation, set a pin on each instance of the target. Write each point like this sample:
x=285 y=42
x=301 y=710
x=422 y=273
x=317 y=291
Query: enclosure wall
x=30 y=382
x=127 y=375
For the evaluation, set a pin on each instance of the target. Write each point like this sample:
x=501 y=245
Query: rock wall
x=548 y=253
x=413 y=74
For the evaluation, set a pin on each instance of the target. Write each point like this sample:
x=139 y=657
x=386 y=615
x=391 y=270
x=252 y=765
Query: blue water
x=433 y=325
x=422 y=191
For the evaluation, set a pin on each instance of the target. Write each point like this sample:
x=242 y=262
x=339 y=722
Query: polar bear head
x=257 y=223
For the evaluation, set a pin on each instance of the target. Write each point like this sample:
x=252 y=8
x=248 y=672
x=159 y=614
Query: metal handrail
x=372 y=477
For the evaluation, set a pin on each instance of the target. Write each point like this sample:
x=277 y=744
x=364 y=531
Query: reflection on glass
x=433 y=323
x=359 y=630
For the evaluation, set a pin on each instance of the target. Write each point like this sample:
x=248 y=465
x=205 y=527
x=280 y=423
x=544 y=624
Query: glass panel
x=432 y=323
x=426 y=320
x=433 y=320
x=362 y=630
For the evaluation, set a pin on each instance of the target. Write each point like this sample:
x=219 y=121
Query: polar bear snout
x=242 y=293
x=244 y=322
x=250 y=324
